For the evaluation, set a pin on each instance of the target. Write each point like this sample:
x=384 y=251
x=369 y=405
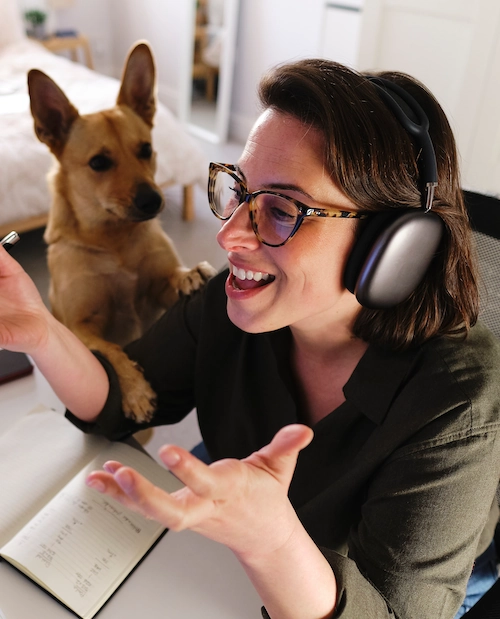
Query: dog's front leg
x=138 y=397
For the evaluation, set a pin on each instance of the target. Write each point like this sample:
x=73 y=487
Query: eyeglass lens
x=274 y=217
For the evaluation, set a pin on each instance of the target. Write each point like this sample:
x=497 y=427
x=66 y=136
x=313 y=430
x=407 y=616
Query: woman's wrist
x=293 y=579
x=74 y=373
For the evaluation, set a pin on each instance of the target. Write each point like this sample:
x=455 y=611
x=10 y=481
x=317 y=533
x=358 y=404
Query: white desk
x=185 y=577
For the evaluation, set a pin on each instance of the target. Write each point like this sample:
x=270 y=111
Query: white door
x=453 y=47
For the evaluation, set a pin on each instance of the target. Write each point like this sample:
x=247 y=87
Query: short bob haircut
x=374 y=161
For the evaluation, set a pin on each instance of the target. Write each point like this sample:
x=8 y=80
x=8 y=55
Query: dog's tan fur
x=113 y=270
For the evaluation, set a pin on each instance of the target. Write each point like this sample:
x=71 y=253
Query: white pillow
x=11 y=23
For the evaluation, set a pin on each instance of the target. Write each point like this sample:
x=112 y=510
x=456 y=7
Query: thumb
x=280 y=456
x=8 y=265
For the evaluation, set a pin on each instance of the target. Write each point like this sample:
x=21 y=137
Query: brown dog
x=113 y=270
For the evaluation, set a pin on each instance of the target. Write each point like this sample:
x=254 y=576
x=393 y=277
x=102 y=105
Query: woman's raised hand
x=23 y=315
x=240 y=503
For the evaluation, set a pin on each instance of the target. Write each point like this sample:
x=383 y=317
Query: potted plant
x=36 y=19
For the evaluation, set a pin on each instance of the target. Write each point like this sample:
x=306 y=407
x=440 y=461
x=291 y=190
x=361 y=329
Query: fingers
x=111 y=466
x=207 y=488
x=291 y=439
x=124 y=484
x=136 y=493
x=280 y=456
x=199 y=477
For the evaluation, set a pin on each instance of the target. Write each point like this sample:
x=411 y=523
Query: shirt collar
x=375 y=381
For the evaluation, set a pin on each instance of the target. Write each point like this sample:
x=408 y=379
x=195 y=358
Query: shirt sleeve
x=413 y=550
x=167 y=355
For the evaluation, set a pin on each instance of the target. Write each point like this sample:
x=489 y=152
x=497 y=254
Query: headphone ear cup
x=371 y=231
x=391 y=256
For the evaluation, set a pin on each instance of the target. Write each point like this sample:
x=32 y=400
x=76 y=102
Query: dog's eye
x=100 y=163
x=145 y=151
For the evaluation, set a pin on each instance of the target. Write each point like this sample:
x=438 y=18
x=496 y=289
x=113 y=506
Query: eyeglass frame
x=249 y=198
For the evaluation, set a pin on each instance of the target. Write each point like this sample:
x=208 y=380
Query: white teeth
x=255 y=275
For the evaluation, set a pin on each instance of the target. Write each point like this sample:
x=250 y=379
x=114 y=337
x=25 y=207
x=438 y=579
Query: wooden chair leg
x=188 y=203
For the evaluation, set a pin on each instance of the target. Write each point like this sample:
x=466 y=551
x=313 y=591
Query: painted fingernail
x=95 y=484
x=169 y=457
x=124 y=479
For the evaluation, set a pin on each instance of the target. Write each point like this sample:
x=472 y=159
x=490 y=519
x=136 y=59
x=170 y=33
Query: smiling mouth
x=245 y=279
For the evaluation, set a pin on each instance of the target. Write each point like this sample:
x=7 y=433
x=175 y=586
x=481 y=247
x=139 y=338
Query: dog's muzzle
x=147 y=201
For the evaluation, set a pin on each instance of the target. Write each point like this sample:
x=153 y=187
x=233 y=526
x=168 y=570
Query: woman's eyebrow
x=289 y=187
x=277 y=186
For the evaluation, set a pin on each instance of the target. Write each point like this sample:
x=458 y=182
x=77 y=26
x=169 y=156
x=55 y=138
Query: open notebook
x=72 y=541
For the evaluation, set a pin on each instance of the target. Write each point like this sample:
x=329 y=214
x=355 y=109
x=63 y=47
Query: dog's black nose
x=147 y=200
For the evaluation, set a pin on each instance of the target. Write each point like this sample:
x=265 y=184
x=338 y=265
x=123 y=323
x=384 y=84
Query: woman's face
x=302 y=285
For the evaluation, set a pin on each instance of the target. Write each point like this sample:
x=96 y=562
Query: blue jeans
x=200 y=451
x=483 y=577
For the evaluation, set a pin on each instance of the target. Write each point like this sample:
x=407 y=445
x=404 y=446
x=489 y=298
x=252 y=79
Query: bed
x=24 y=196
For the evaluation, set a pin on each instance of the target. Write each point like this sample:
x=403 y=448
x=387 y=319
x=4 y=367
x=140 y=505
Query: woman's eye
x=100 y=163
x=237 y=191
x=281 y=210
x=146 y=151
x=282 y=216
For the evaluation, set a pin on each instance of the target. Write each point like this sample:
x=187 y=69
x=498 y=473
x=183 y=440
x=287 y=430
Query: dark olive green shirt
x=397 y=487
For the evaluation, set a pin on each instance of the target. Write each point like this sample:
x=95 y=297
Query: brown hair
x=374 y=161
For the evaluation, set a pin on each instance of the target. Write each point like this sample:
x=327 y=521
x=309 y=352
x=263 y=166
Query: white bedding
x=24 y=161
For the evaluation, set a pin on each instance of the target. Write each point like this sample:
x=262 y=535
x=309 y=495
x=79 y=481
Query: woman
x=386 y=506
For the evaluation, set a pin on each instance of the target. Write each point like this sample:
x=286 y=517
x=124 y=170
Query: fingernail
x=95 y=484
x=109 y=467
x=124 y=479
x=169 y=457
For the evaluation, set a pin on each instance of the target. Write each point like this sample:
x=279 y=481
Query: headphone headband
x=413 y=118
x=396 y=247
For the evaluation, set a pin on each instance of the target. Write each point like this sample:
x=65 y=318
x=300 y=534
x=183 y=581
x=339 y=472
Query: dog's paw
x=138 y=398
x=190 y=280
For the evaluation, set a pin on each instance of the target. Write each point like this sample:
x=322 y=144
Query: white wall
x=270 y=32
x=162 y=23
x=453 y=47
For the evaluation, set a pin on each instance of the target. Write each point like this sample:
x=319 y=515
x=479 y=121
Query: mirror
x=208 y=72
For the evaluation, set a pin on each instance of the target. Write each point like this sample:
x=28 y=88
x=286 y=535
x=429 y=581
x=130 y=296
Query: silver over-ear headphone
x=395 y=249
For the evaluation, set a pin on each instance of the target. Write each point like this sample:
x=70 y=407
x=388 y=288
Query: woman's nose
x=236 y=232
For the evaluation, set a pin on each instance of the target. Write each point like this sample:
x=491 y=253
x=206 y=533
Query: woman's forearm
x=26 y=325
x=294 y=581
x=73 y=372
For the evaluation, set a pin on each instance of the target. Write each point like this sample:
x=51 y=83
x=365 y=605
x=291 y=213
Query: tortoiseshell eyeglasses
x=275 y=218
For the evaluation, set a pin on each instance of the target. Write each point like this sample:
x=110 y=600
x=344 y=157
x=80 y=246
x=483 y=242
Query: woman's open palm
x=240 y=503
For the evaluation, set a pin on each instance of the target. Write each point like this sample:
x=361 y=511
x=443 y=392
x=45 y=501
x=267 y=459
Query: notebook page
x=38 y=456
x=83 y=544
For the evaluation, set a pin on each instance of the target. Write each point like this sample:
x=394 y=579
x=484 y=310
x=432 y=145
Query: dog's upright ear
x=52 y=111
x=138 y=83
